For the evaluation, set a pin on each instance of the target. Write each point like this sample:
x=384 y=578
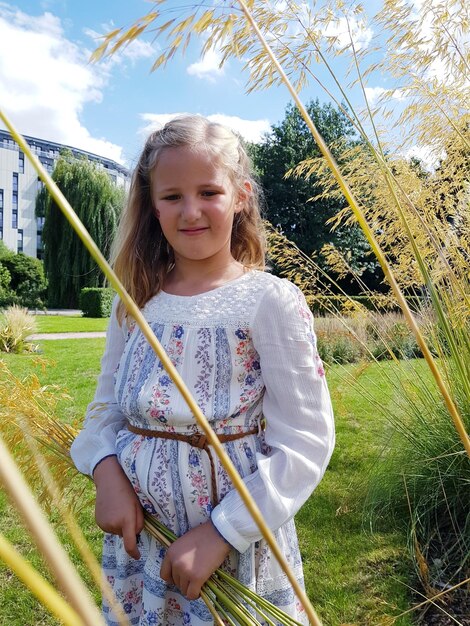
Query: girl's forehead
x=175 y=161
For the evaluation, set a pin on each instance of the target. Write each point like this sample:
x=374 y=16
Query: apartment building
x=19 y=184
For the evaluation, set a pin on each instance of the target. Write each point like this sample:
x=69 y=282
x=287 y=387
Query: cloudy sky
x=51 y=91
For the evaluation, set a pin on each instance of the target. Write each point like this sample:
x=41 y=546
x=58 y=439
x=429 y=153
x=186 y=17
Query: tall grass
x=16 y=324
x=417 y=221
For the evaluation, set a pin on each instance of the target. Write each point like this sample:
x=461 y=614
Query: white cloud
x=373 y=94
x=208 y=67
x=426 y=155
x=250 y=130
x=133 y=51
x=346 y=28
x=45 y=81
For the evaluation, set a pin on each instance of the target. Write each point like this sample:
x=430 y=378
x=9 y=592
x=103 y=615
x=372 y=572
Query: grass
x=353 y=577
x=70 y=324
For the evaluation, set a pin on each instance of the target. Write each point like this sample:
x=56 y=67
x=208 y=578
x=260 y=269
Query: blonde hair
x=140 y=255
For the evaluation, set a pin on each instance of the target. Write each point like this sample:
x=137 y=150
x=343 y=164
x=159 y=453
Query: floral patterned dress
x=247 y=352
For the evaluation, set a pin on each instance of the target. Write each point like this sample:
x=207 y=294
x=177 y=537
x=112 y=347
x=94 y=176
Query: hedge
x=96 y=301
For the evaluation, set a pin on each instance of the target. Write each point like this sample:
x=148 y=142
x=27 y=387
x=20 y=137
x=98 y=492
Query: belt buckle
x=198 y=440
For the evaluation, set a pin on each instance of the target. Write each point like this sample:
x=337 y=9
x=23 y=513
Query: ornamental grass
x=416 y=220
x=16 y=324
x=42 y=443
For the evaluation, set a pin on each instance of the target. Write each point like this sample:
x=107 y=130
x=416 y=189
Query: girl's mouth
x=194 y=231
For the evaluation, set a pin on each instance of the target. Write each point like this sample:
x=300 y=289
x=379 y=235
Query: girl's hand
x=192 y=558
x=117 y=508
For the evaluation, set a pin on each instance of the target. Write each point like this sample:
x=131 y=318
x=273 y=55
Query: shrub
x=96 y=301
x=28 y=281
x=7 y=296
x=16 y=324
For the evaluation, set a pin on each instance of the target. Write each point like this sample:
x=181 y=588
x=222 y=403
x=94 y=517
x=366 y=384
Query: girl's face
x=195 y=202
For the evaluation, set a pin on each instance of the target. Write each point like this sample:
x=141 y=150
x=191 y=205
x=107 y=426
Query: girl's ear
x=243 y=196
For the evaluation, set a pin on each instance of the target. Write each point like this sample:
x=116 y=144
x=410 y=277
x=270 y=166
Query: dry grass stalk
x=35 y=422
x=134 y=311
x=37 y=585
x=56 y=557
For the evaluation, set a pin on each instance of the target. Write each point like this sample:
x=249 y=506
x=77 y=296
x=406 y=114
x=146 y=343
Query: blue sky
x=51 y=91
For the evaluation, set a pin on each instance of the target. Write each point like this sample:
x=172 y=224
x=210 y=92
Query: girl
x=190 y=252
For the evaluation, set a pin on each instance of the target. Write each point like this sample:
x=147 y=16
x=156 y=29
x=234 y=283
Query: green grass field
x=353 y=577
x=69 y=324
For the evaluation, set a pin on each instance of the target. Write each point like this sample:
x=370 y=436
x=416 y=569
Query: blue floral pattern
x=222 y=369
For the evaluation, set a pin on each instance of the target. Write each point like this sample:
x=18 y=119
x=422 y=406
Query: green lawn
x=353 y=577
x=69 y=324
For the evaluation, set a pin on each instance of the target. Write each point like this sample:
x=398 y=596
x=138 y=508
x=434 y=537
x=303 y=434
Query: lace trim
x=232 y=303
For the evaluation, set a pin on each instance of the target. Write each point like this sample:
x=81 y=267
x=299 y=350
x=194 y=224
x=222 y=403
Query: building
x=19 y=184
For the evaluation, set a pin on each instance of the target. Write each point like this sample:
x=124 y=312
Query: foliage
x=97 y=202
x=27 y=285
x=16 y=324
x=96 y=301
x=289 y=204
x=366 y=337
x=6 y=294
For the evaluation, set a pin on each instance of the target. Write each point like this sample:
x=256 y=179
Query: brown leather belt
x=197 y=440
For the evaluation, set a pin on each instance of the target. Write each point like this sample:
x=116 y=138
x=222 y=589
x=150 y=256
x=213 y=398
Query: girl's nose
x=190 y=210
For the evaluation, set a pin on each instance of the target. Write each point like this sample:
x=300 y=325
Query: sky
x=51 y=91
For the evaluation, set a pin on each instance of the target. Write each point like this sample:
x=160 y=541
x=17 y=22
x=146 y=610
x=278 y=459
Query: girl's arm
x=299 y=418
x=103 y=418
x=117 y=507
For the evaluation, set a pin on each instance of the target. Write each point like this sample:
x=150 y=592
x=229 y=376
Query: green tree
x=289 y=198
x=97 y=202
x=22 y=279
x=27 y=280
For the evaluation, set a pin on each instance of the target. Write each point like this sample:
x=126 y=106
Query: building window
x=39 y=246
x=14 y=212
x=1 y=218
x=40 y=223
x=21 y=162
x=15 y=183
x=1 y=234
x=1 y=198
x=20 y=240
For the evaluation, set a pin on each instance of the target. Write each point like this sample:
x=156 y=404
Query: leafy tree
x=22 y=280
x=290 y=206
x=97 y=202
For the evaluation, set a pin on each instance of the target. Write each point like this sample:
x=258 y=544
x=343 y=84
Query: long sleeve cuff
x=228 y=532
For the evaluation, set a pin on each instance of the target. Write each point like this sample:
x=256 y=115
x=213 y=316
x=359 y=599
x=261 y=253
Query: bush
x=16 y=324
x=338 y=348
x=27 y=280
x=7 y=296
x=96 y=301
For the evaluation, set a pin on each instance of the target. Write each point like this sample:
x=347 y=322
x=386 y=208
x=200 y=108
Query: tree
x=97 y=202
x=22 y=279
x=289 y=198
x=27 y=280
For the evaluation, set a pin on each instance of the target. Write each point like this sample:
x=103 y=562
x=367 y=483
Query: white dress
x=246 y=351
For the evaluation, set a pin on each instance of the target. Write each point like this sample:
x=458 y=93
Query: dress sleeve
x=103 y=418
x=299 y=418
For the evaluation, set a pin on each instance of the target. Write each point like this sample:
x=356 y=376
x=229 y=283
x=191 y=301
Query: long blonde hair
x=140 y=255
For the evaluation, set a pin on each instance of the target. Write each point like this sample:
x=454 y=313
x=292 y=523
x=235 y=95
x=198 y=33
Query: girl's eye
x=171 y=197
x=209 y=193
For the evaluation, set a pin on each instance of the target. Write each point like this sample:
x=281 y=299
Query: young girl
x=190 y=252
